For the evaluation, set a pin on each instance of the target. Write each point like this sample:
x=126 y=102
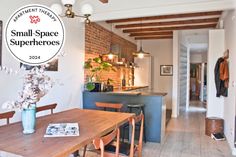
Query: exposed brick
x=98 y=41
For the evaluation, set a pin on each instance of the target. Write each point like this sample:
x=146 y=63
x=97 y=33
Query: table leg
x=130 y=132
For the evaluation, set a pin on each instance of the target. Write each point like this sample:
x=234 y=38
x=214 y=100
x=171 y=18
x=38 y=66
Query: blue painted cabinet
x=153 y=109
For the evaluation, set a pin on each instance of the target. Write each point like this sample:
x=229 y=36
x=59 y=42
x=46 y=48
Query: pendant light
x=110 y=55
x=141 y=53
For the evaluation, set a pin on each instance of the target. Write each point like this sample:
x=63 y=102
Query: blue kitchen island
x=155 y=108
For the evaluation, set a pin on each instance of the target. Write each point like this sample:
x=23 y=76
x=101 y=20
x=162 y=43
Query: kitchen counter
x=155 y=108
x=131 y=88
x=136 y=90
x=147 y=93
x=151 y=93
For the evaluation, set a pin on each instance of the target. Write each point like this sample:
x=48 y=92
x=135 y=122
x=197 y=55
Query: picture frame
x=1 y=29
x=52 y=66
x=166 y=70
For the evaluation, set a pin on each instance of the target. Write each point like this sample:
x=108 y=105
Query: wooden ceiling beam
x=169 y=23
x=104 y=1
x=186 y=15
x=141 y=30
x=151 y=33
x=153 y=37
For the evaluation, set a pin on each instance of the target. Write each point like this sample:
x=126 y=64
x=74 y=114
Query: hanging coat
x=221 y=89
x=224 y=72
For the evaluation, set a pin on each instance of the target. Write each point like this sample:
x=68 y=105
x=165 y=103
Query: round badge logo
x=34 y=34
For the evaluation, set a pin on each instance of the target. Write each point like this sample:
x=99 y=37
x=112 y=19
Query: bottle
x=123 y=82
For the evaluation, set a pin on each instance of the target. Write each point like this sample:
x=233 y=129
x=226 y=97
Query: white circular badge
x=34 y=34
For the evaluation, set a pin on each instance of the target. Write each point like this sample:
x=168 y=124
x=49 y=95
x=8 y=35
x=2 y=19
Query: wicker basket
x=214 y=125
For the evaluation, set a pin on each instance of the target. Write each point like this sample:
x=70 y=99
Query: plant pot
x=28 y=117
x=98 y=87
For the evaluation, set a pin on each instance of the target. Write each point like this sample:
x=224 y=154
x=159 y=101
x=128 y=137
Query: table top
x=92 y=123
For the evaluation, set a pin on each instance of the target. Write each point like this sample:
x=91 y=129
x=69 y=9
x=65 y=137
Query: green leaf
x=106 y=64
x=98 y=68
x=87 y=64
x=90 y=86
x=97 y=60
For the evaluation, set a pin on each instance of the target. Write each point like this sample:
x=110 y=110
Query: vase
x=28 y=117
x=98 y=87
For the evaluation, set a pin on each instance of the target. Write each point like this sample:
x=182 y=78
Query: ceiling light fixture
x=86 y=10
x=141 y=53
x=110 y=55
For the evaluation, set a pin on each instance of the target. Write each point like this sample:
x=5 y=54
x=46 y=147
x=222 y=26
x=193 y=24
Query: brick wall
x=98 y=41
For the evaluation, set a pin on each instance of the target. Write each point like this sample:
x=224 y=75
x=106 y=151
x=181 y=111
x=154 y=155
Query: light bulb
x=110 y=56
x=87 y=21
x=140 y=55
x=87 y=9
x=64 y=2
x=56 y=8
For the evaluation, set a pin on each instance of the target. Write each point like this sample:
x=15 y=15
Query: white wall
x=70 y=74
x=229 y=106
x=175 y=82
x=162 y=51
x=215 y=105
x=198 y=57
x=143 y=74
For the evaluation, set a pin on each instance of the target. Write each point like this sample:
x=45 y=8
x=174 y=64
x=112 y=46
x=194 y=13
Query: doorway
x=195 y=80
x=198 y=83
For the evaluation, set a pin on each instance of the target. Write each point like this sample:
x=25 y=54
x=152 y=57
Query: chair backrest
x=105 y=105
x=139 y=146
x=100 y=143
x=47 y=107
x=7 y=116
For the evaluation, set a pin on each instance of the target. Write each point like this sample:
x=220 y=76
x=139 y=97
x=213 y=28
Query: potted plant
x=96 y=67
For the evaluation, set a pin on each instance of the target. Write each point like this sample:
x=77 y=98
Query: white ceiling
x=120 y=9
x=197 y=40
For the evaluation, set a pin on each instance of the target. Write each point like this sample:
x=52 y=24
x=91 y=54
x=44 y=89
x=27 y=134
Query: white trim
x=202 y=82
x=175 y=89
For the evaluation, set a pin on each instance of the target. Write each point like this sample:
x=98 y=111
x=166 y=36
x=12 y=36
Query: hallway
x=185 y=137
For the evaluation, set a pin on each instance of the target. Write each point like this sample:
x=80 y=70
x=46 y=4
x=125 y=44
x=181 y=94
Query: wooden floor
x=185 y=137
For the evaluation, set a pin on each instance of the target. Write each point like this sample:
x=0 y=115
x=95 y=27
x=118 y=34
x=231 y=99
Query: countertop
x=147 y=93
x=131 y=91
x=129 y=88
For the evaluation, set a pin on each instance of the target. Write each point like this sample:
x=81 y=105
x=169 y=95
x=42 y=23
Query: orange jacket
x=224 y=72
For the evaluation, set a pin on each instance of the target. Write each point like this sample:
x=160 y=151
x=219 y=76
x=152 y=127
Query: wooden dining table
x=92 y=124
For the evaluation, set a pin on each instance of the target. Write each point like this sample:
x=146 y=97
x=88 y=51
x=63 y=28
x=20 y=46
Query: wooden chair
x=105 y=106
x=47 y=107
x=100 y=143
x=132 y=148
x=115 y=106
x=7 y=116
x=138 y=147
